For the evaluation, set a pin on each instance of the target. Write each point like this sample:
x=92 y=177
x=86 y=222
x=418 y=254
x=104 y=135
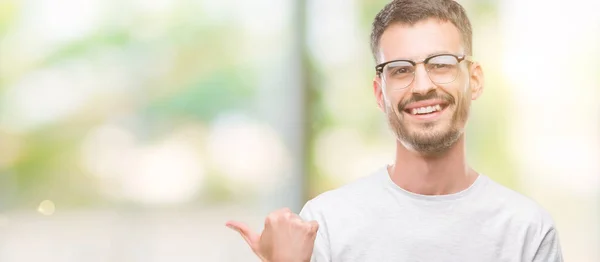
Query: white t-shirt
x=374 y=220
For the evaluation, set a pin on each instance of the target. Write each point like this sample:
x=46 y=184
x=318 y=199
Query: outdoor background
x=132 y=130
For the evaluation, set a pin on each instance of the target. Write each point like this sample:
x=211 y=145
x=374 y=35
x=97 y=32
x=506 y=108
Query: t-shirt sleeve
x=321 y=248
x=549 y=249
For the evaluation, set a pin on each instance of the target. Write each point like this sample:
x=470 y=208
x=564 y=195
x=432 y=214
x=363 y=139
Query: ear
x=477 y=80
x=378 y=91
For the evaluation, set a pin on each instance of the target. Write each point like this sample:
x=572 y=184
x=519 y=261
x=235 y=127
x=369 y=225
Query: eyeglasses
x=441 y=69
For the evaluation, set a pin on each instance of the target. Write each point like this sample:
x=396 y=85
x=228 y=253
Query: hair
x=410 y=12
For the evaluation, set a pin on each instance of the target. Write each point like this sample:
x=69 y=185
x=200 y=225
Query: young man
x=429 y=205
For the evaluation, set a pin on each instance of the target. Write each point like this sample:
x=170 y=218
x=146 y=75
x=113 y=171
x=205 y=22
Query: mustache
x=431 y=95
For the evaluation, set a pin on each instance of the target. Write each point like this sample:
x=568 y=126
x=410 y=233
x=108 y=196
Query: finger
x=283 y=211
x=295 y=218
x=282 y=214
x=250 y=237
x=314 y=225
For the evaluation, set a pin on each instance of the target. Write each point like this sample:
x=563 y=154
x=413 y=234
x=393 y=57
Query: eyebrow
x=428 y=55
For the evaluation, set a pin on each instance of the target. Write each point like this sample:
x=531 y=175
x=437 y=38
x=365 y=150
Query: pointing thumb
x=250 y=237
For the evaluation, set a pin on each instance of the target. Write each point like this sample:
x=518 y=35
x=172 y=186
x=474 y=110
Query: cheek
x=462 y=106
x=393 y=98
x=462 y=99
x=390 y=102
x=465 y=94
x=466 y=83
x=390 y=107
x=461 y=90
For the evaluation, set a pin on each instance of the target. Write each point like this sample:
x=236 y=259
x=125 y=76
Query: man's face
x=409 y=109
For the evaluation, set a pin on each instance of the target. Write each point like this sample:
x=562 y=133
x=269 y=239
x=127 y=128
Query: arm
x=549 y=249
x=321 y=250
x=285 y=238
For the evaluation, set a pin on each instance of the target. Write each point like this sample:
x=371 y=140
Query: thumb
x=314 y=226
x=250 y=237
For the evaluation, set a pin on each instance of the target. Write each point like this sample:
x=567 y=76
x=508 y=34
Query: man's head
x=425 y=80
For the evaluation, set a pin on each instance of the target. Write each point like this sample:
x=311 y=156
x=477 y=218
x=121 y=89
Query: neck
x=446 y=173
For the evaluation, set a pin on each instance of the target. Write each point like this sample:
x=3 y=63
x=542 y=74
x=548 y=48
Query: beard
x=432 y=138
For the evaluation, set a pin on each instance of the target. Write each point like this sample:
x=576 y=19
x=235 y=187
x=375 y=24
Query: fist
x=285 y=238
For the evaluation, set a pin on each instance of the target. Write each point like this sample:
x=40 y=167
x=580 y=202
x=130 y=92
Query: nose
x=422 y=84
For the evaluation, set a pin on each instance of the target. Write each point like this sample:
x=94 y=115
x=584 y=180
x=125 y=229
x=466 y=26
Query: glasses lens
x=442 y=69
x=398 y=74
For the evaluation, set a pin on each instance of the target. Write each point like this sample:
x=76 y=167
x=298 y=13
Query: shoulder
x=346 y=196
x=527 y=219
x=519 y=208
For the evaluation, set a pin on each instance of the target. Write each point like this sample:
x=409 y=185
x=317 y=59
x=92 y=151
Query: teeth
x=425 y=109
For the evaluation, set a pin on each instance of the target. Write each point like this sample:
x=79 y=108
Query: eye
x=440 y=66
x=402 y=70
x=398 y=69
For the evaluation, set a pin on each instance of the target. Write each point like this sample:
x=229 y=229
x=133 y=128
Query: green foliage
x=207 y=97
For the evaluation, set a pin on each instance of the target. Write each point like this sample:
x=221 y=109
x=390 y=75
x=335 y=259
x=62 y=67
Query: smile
x=425 y=108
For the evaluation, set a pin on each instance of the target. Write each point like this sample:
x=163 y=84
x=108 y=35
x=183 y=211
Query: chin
x=435 y=141
x=426 y=137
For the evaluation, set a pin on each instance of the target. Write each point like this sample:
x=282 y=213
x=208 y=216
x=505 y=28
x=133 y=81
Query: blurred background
x=133 y=130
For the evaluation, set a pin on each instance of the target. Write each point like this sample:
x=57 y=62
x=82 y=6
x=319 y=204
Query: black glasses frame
x=379 y=67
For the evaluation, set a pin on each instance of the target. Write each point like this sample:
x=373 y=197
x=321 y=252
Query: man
x=429 y=205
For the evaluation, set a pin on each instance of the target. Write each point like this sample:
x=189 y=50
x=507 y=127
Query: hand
x=285 y=238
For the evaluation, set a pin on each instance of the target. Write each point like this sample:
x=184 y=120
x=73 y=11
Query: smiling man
x=429 y=205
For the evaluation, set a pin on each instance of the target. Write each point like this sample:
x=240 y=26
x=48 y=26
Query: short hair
x=410 y=12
